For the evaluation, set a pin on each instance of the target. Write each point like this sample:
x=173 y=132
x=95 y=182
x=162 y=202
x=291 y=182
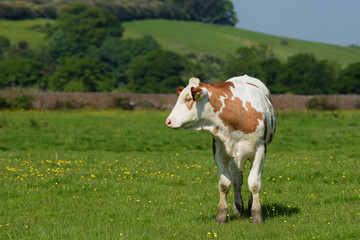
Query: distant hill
x=186 y=37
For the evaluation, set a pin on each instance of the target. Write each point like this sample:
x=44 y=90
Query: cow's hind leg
x=237 y=180
x=254 y=182
x=222 y=162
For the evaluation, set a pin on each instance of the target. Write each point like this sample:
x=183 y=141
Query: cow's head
x=189 y=106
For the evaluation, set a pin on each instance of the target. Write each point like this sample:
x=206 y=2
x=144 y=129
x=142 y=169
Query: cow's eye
x=188 y=99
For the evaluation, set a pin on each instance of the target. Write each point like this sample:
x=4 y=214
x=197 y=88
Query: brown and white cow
x=240 y=116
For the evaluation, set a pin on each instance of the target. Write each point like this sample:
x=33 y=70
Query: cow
x=241 y=118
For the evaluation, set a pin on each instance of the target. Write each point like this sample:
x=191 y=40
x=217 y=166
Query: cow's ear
x=196 y=92
x=178 y=90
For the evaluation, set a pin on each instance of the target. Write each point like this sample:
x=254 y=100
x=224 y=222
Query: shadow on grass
x=269 y=211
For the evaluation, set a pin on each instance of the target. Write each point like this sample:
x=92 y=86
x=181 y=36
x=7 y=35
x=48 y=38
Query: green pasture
x=186 y=37
x=26 y=30
x=124 y=175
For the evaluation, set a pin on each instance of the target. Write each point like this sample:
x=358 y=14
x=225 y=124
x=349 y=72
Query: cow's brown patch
x=252 y=84
x=236 y=117
x=216 y=130
x=178 y=90
x=218 y=90
x=233 y=115
x=189 y=101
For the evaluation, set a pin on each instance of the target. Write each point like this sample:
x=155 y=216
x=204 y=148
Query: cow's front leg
x=222 y=162
x=254 y=182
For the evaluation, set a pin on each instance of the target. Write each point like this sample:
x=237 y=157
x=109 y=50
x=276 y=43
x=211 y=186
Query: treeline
x=86 y=53
x=212 y=11
x=300 y=74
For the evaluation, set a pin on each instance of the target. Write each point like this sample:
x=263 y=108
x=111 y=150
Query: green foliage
x=122 y=103
x=205 y=67
x=17 y=10
x=79 y=27
x=22 y=72
x=321 y=103
x=4 y=42
x=120 y=170
x=3 y=103
x=349 y=80
x=304 y=74
x=117 y=53
x=89 y=25
x=249 y=60
x=81 y=75
x=213 y=11
x=22 y=101
x=157 y=72
x=63 y=45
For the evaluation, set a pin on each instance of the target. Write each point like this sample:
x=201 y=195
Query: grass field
x=124 y=175
x=217 y=40
x=17 y=31
x=184 y=37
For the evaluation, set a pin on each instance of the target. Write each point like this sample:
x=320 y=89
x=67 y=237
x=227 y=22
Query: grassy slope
x=115 y=174
x=21 y=30
x=185 y=37
x=221 y=40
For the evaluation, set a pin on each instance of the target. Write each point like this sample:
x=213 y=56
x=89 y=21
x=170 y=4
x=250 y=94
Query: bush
x=20 y=102
x=349 y=80
x=3 y=103
x=21 y=71
x=4 y=42
x=23 y=45
x=67 y=105
x=322 y=103
x=123 y=103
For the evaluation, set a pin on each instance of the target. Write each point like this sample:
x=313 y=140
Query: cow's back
x=252 y=90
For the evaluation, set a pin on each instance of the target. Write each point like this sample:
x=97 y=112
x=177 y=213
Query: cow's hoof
x=238 y=209
x=256 y=217
x=221 y=216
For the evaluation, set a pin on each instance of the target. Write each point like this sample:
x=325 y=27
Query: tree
x=89 y=24
x=63 y=45
x=271 y=70
x=304 y=74
x=81 y=26
x=81 y=75
x=117 y=53
x=157 y=72
x=349 y=80
x=247 y=60
x=23 y=72
x=213 y=11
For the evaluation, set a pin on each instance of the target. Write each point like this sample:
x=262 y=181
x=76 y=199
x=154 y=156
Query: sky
x=324 y=21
